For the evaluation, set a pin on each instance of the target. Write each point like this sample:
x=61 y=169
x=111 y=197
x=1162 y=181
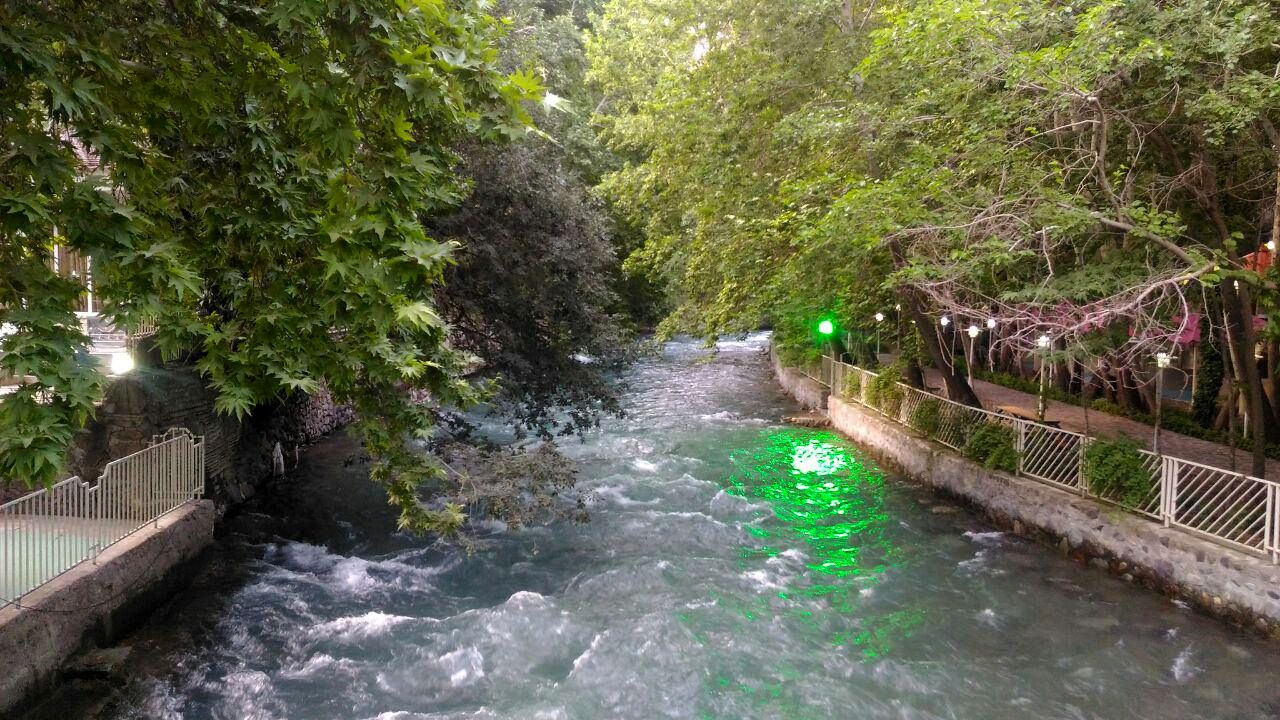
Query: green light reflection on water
x=829 y=504
x=821 y=495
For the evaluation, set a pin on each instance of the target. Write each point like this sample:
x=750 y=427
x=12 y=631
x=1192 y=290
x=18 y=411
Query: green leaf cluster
x=994 y=445
x=1117 y=470
x=251 y=179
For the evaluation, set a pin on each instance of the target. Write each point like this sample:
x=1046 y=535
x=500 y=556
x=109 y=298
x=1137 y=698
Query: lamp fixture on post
x=1044 y=342
x=973 y=339
x=1163 y=361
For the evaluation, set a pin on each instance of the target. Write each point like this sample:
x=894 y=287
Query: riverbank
x=1240 y=588
x=325 y=498
x=97 y=601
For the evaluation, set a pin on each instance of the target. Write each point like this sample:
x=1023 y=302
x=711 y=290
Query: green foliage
x=994 y=445
x=1204 y=404
x=533 y=289
x=884 y=391
x=852 y=389
x=1116 y=470
x=1017 y=153
x=927 y=417
x=264 y=171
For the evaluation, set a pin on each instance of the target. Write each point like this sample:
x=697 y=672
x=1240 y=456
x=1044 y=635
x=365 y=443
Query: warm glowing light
x=1163 y=360
x=1044 y=341
x=826 y=327
x=879 y=317
x=973 y=331
x=991 y=323
x=945 y=320
x=121 y=363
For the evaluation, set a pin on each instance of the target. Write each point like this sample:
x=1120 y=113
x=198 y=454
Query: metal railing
x=50 y=531
x=1227 y=507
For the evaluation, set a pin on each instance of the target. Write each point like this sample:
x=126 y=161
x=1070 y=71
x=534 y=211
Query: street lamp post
x=879 y=319
x=973 y=340
x=1043 y=342
x=1162 y=363
x=991 y=339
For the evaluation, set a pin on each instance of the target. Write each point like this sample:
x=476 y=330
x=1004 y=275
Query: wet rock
x=944 y=509
x=810 y=421
x=1099 y=564
x=1104 y=623
x=100 y=663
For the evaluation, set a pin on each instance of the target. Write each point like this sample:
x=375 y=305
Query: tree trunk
x=913 y=374
x=1241 y=336
x=1127 y=396
x=958 y=388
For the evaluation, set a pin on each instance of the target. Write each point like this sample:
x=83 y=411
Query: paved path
x=1106 y=425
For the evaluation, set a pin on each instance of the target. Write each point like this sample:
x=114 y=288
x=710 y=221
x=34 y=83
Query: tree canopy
x=1094 y=172
x=534 y=291
x=264 y=171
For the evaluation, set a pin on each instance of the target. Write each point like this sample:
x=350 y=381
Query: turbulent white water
x=734 y=568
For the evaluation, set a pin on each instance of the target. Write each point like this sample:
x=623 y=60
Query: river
x=733 y=567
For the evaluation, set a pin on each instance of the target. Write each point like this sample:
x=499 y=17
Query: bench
x=1021 y=414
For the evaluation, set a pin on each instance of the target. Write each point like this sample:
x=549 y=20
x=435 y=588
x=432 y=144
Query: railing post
x=1169 y=490
x=1022 y=445
x=1082 y=480
x=1273 y=524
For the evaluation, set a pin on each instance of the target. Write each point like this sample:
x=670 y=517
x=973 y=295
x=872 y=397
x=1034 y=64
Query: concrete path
x=1106 y=425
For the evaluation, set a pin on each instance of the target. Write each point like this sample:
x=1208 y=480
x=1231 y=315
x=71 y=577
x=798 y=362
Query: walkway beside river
x=1100 y=424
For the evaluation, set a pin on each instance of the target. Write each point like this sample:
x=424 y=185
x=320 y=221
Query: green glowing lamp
x=826 y=327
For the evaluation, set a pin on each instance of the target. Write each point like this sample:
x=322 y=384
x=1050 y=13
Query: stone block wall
x=239 y=454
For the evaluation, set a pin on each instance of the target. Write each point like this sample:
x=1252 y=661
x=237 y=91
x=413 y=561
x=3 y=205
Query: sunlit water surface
x=733 y=568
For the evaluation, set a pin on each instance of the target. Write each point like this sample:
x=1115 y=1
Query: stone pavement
x=1111 y=426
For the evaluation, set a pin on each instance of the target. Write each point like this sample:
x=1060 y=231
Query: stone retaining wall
x=1225 y=582
x=96 y=602
x=239 y=454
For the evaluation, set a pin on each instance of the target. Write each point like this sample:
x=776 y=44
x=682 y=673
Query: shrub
x=1116 y=470
x=994 y=445
x=1204 y=403
x=927 y=417
x=852 y=389
x=883 y=392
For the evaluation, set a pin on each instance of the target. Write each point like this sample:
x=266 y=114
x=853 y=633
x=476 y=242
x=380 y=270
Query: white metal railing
x=1227 y=507
x=50 y=531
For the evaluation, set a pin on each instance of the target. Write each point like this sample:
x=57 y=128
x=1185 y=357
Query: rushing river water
x=733 y=568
